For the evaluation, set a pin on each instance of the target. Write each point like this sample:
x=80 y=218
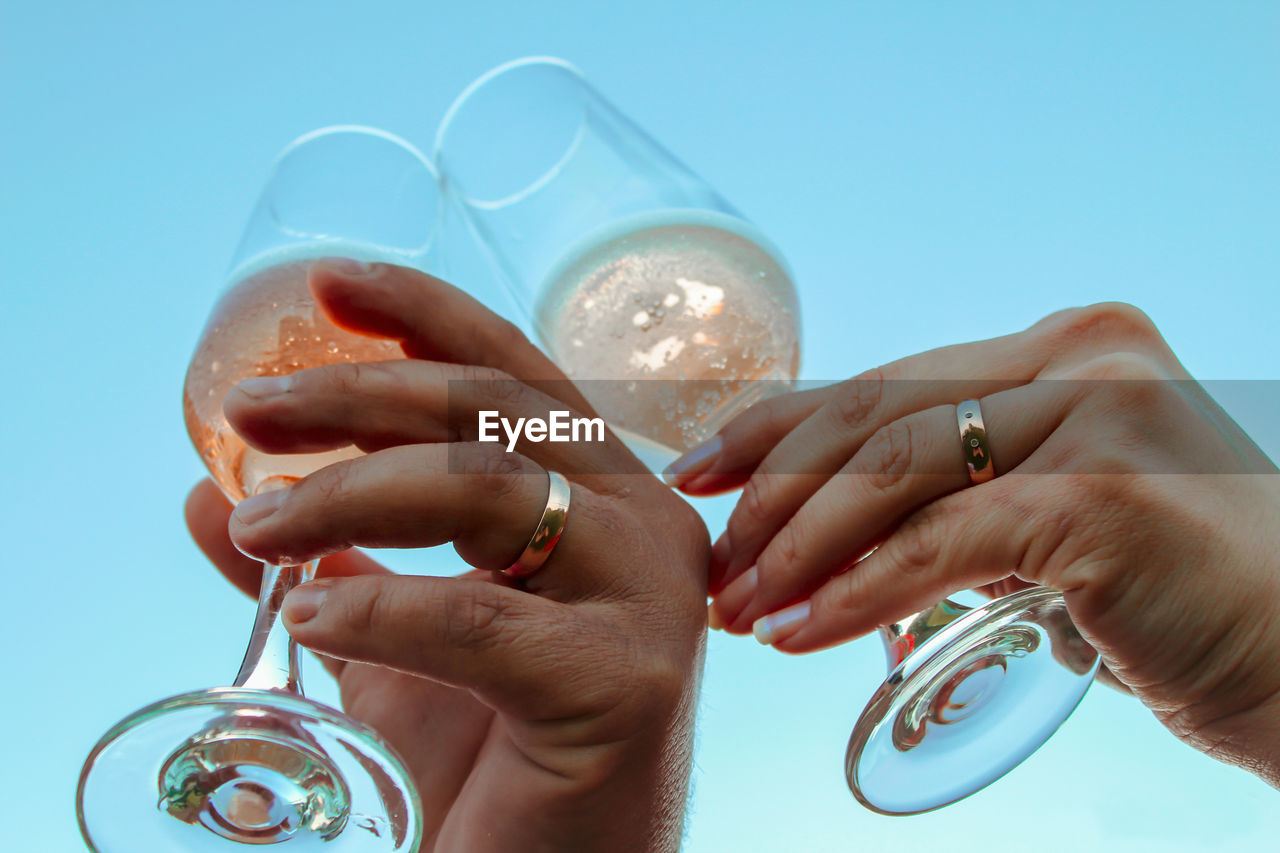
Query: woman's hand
x=550 y=715
x=1121 y=483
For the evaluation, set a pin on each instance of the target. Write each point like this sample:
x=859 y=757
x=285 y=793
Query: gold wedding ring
x=548 y=531
x=973 y=439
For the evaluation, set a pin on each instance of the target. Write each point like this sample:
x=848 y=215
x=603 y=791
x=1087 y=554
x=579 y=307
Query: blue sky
x=912 y=161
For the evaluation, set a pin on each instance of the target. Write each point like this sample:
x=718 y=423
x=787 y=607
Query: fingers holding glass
x=818 y=448
x=856 y=457
x=485 y=501
x=727 y=459
x=207 y=512
x=407 y=401
x=901 y=468
x=959 y=542
x=402 y=497
x=1049 y=440
x=799 y=463
x=434 y=321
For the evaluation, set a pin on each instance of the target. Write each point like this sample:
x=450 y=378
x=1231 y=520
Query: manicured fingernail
x=265 y=386
x=349 y=266
x=714 y=622
x=254 y=509
x=693 y=463
x=777 y=627
x=304 y=602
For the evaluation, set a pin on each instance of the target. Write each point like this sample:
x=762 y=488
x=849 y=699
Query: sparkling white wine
x=677 y=299
x=265 y=324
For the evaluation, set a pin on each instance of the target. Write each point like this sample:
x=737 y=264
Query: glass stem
x=271 y=660
x=902 y=637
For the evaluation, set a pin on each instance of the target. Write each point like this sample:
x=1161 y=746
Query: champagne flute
x=257 y=763
x=628 y=266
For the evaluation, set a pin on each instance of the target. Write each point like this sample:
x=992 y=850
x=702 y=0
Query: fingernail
x=692 y=463
x=349 y=266
x=714 y=622
x=304 y=602
x=254 y=509
x=265 y=386
x=777 y=627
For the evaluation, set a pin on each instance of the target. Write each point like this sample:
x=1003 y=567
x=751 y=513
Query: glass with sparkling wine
x=628 y=266
x=257 y=763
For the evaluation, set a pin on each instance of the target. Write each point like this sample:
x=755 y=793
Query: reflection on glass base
x=218 y=769
x=254 y=784
x=970 y=694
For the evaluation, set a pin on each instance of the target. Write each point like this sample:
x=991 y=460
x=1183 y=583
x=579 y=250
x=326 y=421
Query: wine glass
x=257 y=763
x=668 y=309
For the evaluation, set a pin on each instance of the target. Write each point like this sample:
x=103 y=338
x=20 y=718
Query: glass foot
x=219 y=769
x=970 y=694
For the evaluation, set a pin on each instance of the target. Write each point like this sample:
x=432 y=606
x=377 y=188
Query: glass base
x=969 y=703
x=218 y=769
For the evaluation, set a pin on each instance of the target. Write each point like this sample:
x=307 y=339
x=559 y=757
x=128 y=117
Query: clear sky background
x=913 y=160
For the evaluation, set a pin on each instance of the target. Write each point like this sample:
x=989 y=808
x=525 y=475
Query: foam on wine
x=687 y=296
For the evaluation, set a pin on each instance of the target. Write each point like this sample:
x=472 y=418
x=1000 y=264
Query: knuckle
x=496 y=387
x=344 y=377
x=1128 y=384
x=362 y=606
x=476 y=616
x=1124 y=366
x=482 y=375
x=916 y=547
x=1104 y=322
x=773 y=568
x=499 y=473
x=501 y=335
x=840 y=595
x=390 y=376
x=771 y=416
x=889 y=454
x=859 y=398
x=1124 y=319
x=331 y=484
x=754 y=509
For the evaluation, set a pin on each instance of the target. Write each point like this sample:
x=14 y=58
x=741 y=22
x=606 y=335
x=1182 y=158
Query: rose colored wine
x=265 y=324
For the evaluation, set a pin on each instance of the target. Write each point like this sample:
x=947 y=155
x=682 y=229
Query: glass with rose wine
x=257 y=763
